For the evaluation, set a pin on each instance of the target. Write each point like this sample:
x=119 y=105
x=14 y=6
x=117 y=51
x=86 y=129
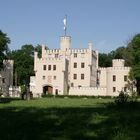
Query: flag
x=65 y=21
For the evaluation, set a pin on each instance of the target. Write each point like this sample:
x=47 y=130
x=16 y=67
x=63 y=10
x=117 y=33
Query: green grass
x=67 y=119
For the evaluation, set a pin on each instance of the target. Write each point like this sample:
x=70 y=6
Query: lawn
x=67 y=119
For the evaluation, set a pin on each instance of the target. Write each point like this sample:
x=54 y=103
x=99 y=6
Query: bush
x=124 y=100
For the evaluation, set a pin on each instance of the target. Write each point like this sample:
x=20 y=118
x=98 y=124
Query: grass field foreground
x=67 y=119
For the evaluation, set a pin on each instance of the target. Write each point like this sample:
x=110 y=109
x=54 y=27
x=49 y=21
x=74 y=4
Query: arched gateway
x=47 y=90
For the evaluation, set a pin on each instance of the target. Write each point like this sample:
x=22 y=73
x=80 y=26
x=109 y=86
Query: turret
x=65 y=42
x=118 y=63
x=90 y=53
x=35 y=60
x=43 y=51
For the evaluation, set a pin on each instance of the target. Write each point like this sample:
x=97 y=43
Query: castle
x=68 y=71
x=6 y=80
x=6 y=76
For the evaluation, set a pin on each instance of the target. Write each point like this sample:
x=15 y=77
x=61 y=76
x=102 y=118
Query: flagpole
x=66 y=25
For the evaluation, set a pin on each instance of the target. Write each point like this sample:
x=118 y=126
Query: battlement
x=88 y=88
x=49 y=59
x=118 y=62
x=79 y=50
x=109 y=69
x=102 y=68
x=54 y=51
x=8 y=61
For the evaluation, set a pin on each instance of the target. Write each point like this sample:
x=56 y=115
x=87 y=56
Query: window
x=125 y=89
x=114 y=77
x=114 y=89
x=72 y=84
x=44 y=67
x=75 y=65
x=43 y=77
x=82 y=76
x=54 y=67
x=82 y=65
x=56 y=55
x=3 y=80
x=54 y=77
x=74 y=76
x=75 y=55
x=125 y=77
x=49 y=67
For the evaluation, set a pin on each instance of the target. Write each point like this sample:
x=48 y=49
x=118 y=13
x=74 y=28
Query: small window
x=56 y=55
x=49 y=67
x=125 y=78
x=43 y=77
x=82 y=65
x=3 y=80
x=72 y=84
x=75 y=55
x=82 y=76
x=114 y=89
x=125 y=89
x=54 y=67
x=44 y=67
x=74 y=76
x=75 y=65
x=54 y=77
x=114 y=77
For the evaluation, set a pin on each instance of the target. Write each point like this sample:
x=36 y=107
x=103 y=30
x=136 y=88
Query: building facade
x=68 y=71
x=6 y=77
x=59 y=69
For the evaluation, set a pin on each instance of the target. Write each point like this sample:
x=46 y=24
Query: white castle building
x=68 y=71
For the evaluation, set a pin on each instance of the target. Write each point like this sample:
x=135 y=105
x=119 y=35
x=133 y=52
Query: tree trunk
x=28 y=93
x=138 y=86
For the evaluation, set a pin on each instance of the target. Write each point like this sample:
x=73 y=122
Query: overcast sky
x=108 y=24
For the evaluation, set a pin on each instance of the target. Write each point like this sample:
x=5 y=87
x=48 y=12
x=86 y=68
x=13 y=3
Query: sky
x=108 y=24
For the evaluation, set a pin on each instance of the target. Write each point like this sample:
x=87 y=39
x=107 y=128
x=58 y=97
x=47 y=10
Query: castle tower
x=118 y=63
x=65 y=42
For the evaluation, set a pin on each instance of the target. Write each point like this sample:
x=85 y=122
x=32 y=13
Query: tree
x=133 y=57
x=4 y=41
x=105 y=60
x=23 y=63
x=38 y=49
x=119 y=53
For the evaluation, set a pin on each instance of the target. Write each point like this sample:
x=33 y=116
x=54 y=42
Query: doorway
x=47 y=90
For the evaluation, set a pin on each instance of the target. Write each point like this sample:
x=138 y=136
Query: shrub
x=122 y=98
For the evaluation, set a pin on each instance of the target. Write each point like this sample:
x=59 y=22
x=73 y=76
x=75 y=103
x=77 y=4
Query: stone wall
x=87 y=91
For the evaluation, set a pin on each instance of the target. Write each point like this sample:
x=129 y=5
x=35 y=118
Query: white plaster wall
x=103 y=77
x=87 y=91
x=86 y=70
x=57 y=83
x=120 y=72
